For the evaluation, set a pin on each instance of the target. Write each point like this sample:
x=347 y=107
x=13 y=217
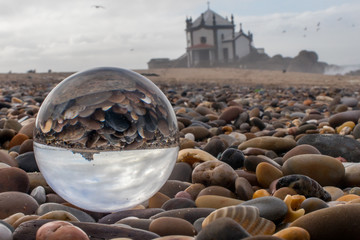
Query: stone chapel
x=212 y=41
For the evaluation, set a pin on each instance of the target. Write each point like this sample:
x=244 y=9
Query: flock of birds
x=317 y=27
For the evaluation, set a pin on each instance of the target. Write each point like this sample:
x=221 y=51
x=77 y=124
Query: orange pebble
x=307 y=102
x=227 y=129
x=293 y=233
x=348 y=197
x=18 y=139
x=260 y=193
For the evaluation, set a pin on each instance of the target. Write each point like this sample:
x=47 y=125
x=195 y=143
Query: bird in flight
x=98 y=6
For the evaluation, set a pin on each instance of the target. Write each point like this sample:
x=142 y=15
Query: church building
x=212 y=41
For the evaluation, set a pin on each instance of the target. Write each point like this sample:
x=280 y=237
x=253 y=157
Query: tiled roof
x=208 y=18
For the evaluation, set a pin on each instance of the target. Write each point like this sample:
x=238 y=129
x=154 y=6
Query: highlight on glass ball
x=106 y=139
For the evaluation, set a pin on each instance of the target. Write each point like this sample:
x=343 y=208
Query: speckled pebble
x=214 y=173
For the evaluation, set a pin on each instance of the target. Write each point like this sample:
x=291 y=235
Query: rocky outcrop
x=306 y=61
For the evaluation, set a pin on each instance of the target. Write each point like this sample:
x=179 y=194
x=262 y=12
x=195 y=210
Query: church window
x=203 y=39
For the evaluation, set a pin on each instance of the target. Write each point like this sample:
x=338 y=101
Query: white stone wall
x=242 y=46
x=227 y=33
x=203 y=33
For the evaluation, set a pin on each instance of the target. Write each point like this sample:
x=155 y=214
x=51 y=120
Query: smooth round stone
x=204 y=110
x=28 y=128
x=271 y=208
x=214 y=173
x=355 y=190
x=172 y=237
x=183 y=194
x=59 y=215
x=6 y=135
x=338 y=222
x=56 y=230
x=215 y=146
x=267 y=173
x=194 y=189
x=192 y=156
x=341 y=108
x=251 y=162
x=230 y=113
x=176 y=203
x=182 y=172
x=26 y=146
x=250 y=176
x=339 y=118
x=234 y=157
x=172 y=187
x=198 y=131
x=293 y=233
x=12 y=124
x=349 y=101
x=214 y=201
x=14 y=179
x=157 y=200
x=352 y=176
x=27 y=231
x=313 y=204
x=356 y=131
x=5 y=232
x=15 y=202
x=243 y=189
x=49 y=207
x=300 y=149
x=18 y=139
x=189 y=214
x=270 y=143
x=140 y=213
x=7 y=159
x=303 y=185
x=216 y=190
x=345 y=147
x=335 y=192
x=135 y=222
x=222 y=229
x=164 y=226
x=239 y=137
x=262 y=237
x=54 y=198
x=281 y=193
x=39 y=194
x=326 y=170
x=27 y=162
x=187 y=143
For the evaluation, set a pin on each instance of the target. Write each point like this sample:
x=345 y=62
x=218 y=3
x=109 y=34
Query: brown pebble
x=214 y=201
x=60 y=230
x=214 y=173
x=14 y=202
x=267 y=173
x=26 y=146
x=18 y=139
x=157 y=200
x=171 y=226
x=14 y=179
x=216 y=190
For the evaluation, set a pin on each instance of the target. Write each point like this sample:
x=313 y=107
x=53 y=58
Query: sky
x=68 y=35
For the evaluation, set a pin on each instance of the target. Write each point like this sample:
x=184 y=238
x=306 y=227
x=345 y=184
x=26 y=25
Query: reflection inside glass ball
x=106 y=139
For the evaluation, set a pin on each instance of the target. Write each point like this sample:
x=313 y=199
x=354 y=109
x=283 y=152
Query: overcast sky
x=70 y=35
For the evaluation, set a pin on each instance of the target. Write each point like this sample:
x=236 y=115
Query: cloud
x=74 y=35
x=333 y=33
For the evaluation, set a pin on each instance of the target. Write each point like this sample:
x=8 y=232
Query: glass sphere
x=106 y=139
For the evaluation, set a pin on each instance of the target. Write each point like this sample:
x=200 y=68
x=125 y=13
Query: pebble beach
x=263 y=155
